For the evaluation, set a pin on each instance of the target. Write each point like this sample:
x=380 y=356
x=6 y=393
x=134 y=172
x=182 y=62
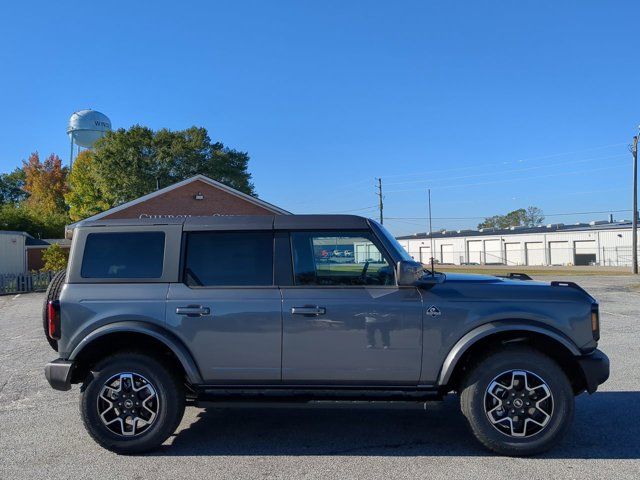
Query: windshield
x=394 y=243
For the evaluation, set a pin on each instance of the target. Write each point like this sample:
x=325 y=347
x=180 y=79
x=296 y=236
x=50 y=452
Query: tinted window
x=346 y=259
x=123 y=255
x=218 y=259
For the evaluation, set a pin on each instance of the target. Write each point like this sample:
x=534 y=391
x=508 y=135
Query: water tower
x=85 y=128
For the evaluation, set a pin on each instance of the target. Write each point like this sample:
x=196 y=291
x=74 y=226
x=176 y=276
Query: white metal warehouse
x=605 y=243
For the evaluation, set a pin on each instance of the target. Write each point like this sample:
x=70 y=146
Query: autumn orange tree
x=46 y=184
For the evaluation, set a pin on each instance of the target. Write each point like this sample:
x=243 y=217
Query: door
x=227 y=311
x=560 y=253
x=425 y=255
x=475 y=251
x=513 y=254
x=584 y=252
x=446 y=254
x=493 y=252
x=345 y=320
x=534 y=252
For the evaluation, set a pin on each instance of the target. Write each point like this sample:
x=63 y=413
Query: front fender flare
x=491 y=328
x=167 y=338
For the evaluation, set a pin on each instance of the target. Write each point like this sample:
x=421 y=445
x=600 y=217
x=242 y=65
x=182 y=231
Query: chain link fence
x=522 y=256
x=24 y=283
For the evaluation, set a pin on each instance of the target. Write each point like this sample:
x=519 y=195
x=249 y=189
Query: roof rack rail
x=516 y=276
x=557 y=283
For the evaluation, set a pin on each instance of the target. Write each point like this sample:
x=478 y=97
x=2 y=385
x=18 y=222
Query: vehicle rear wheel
x=52 y=294
x=517 y=401
x=132 y=403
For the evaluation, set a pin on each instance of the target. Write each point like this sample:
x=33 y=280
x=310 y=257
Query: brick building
x=195 y=196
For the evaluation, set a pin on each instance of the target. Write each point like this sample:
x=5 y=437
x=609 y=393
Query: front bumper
x=58 y=374
x=595 y=368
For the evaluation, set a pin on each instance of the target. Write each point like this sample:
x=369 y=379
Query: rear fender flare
x=487 y=329
x=154 y=331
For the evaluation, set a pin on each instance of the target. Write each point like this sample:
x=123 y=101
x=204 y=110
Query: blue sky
x=494 y=105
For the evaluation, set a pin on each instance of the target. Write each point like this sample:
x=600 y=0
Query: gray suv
x=153 y=315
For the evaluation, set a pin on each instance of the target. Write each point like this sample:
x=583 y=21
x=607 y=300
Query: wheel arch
x=133 y=335
x=491 y=336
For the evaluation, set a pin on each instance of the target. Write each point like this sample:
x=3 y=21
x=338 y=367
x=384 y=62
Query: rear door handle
x=193 y=311
x=308 y=311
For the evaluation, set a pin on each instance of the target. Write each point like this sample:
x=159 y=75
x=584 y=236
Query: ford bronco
x=152 y=315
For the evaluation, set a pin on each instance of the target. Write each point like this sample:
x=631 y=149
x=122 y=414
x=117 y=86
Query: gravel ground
x=41 y=435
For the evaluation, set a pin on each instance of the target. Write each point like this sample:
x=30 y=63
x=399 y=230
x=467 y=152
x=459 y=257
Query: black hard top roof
x=243 y=222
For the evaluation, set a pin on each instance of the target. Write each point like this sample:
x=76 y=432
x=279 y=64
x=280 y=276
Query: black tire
x=473 y=405
x=170 y=407
x=52 y=293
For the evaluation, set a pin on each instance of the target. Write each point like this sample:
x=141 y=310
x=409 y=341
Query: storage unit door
x=534 y=253
x=493 y=252
x=446 y=254
x=475 y=251
x=513 y=254
x=584 y=252
x=425 y=255
x=560 y=253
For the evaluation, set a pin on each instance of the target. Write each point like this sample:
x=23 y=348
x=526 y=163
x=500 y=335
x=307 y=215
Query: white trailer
x=12 y=252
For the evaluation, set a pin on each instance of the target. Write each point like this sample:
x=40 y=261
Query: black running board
x=303 y=394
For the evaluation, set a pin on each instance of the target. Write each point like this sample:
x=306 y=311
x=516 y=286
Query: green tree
x=528 y=217
x=24 y=219
x=12 y=187
x=55 y=258
x=85 y=197
x=134 y=162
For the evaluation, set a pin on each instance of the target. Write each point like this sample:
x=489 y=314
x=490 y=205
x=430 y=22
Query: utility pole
x=431 y=237
x=634 y=152
x=380 y=204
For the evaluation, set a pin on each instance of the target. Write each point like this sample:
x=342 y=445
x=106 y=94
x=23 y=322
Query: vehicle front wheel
x=132 y=403
x=517 y=401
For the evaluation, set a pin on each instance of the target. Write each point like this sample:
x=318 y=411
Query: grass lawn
x=534 y=271
x=354 y=269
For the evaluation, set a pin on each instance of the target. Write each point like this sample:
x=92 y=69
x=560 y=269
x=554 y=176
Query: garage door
x=446 y=254
x=560 y=253
x=425 y=254
x=493 y=251
x=513 y=254
x=475 y=251
x=584 y=252
x=534 y=252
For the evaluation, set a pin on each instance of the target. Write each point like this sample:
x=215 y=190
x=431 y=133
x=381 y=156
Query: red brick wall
x=180 y=201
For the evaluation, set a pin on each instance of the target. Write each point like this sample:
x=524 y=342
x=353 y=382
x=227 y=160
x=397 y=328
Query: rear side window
x=229 y=259
x=123 y=255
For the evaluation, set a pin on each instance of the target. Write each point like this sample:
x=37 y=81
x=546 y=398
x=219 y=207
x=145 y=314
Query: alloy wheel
x=128 y=404
x=518 y=403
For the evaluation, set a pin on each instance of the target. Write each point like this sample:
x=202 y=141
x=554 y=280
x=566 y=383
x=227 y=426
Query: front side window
x=229 y=259
x=339 y=259
x=123 y=255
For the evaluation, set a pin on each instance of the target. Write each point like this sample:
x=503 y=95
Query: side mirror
x=409 y=272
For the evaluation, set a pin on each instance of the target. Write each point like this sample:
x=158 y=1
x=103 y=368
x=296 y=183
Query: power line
x=608 y=167
x=486 y=216
x=506 y=162
x=358 y=209
x=359 y=184
x=515 y=170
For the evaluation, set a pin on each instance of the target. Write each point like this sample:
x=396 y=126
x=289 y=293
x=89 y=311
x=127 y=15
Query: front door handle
x=193 y=311
x=308 y=311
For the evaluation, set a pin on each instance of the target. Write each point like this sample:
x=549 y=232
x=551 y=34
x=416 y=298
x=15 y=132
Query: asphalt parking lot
x=41 y=435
